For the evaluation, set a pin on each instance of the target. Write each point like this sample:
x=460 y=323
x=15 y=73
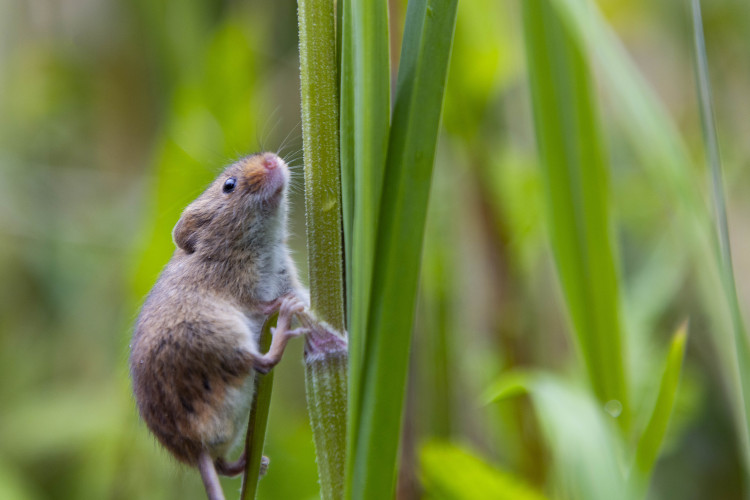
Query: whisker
x=265 y=133
x=283 y=143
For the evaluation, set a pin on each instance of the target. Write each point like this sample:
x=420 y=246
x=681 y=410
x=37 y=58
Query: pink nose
x=270 y=162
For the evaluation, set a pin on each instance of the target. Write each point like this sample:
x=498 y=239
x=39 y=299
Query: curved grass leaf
x=584 y=447
x=577 y=194
x=653 y=436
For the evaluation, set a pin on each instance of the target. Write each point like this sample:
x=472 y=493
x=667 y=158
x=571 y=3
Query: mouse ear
x=185 y=232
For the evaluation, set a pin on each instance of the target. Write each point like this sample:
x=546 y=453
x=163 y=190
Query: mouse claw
x=291 y=304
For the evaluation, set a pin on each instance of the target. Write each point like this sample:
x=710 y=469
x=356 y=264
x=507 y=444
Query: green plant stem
x=325 y=351
x=326 y=386
x=319 y=89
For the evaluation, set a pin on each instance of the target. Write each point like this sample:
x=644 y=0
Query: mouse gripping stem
x=290 y=305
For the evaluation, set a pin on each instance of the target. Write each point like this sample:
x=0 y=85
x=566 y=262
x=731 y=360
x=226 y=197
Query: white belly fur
x=231 y=418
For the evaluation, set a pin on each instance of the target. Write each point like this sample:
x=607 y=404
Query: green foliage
x=365 y=117
x=398 y=248
x=653 y=435
x=722 y=249
x=112 y=119
x=449 y=472
x=201 y=134
x=584 y=446
x=577 y=193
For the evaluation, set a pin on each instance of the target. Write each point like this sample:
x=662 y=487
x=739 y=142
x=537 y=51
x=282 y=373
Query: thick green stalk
x=325 y=352
x=326 y=386
x=422 y=74
x=319 y=88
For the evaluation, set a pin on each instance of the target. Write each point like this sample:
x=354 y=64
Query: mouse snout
x=271 y=161
x=264 y=174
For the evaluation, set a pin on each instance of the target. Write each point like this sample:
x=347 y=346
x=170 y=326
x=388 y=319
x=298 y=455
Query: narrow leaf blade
x=365 y=115
x=722 y=248
x=257 y=423
x=576 y=188
x=422 y=75
x=653 y=436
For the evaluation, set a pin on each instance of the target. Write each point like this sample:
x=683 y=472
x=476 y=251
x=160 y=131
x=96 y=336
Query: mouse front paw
x=272 y=306
x=291 y=304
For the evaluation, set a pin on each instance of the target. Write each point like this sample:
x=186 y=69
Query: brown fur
x=195 y=341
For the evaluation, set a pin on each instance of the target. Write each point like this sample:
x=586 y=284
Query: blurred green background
x=115 y=114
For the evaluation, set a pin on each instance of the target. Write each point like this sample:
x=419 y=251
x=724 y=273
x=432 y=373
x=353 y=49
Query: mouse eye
x=229 y=185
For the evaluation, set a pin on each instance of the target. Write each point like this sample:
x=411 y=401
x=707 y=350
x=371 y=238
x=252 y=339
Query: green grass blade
x=722 y=245
x=452 y=473
x=346 y=140
x=584 y=447
x=651 y=130
x=422 y=74
x=667 y=160
x=370 y=98
x=576 y=188
x=653 y=436
x=257 y=423
x=365 y=114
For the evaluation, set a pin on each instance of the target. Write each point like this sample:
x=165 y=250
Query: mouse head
x=244 y=205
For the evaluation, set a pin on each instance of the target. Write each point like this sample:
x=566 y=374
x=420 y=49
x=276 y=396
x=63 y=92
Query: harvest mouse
x=195 y=347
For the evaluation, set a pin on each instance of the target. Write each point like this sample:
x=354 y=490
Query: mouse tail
x=209 y=476
x=238 y=467
x=230 y=468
